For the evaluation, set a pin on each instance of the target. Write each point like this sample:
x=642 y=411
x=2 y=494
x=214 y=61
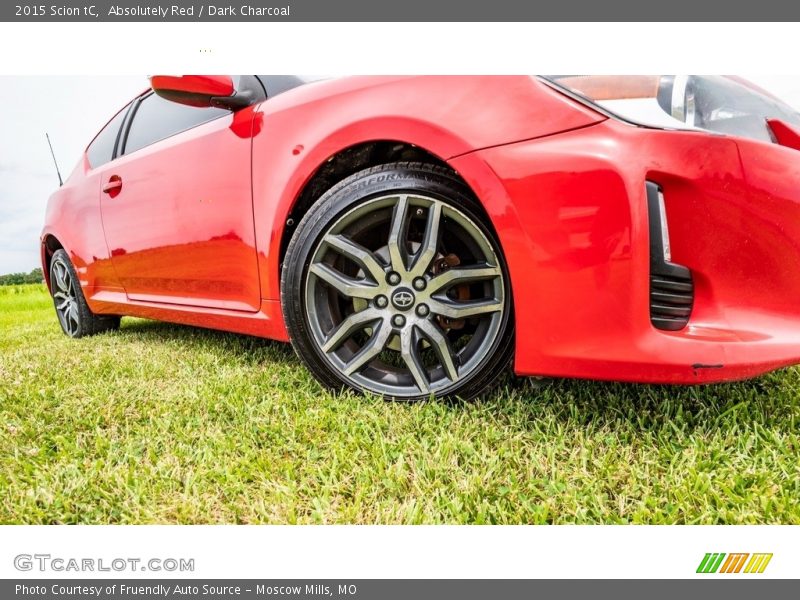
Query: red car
x=415 y=236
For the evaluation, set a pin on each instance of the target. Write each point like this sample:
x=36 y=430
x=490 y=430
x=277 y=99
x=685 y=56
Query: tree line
x=34 y=276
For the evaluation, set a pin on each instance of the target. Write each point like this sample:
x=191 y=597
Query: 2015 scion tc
x=415 y=236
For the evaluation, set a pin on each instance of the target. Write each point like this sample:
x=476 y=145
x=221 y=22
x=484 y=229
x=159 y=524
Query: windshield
x=720 y=103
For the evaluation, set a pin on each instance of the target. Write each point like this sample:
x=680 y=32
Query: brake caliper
x=440 y=265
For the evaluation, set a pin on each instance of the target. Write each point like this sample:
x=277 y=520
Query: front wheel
x=74 y=315
x=394 y=284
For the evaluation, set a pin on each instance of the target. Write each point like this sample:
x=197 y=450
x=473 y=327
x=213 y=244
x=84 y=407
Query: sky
x=72 y=110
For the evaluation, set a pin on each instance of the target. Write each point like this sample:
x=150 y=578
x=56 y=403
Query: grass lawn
x=162 y=423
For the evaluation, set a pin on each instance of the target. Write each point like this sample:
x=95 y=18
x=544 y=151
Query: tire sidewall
x=353 y=191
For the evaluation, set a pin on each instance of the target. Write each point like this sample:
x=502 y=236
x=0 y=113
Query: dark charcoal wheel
x=73 y=313
x=394 y=284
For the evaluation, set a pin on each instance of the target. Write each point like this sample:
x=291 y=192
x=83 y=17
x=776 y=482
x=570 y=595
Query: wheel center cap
x=403 y=299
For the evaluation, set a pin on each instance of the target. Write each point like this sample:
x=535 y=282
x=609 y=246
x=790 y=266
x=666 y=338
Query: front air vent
x=671 y=300
x=671 y=285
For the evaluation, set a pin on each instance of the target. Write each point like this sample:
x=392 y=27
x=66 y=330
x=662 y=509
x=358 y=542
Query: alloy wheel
x=65 y=298
x=405 y=295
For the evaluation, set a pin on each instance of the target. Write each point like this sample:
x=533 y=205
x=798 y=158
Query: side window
x=101 y=150
x=156 y=119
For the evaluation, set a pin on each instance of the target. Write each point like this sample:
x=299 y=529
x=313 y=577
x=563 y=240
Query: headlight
x=722 y=104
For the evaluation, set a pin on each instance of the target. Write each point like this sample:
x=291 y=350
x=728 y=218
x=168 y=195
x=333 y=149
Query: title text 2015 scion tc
x=415 y=236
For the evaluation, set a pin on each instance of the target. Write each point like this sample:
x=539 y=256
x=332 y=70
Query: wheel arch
x=344 y=163
x=50 y=243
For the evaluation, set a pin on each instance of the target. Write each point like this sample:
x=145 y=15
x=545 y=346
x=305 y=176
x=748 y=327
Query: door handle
x=113 y=186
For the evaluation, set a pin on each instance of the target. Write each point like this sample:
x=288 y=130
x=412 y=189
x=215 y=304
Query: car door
x=177 y=206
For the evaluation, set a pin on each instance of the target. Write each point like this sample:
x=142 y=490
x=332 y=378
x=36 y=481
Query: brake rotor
x=441 y=264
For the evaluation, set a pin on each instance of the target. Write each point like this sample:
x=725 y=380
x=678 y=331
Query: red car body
x=195 y=233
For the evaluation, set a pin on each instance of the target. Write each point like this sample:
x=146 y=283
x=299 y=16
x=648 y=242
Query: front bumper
x=571 y=213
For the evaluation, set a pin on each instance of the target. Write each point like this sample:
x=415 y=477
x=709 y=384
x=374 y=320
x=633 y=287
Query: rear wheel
x=393 y=284
x=73 y=312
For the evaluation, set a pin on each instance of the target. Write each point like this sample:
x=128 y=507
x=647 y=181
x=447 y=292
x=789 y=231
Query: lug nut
x=393 y=278
x=422 y=310
x=381 y=301
x=398 y=320
x=419 y=284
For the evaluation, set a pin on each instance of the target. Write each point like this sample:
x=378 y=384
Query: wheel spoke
x=73 y=312
x=65 y=279
x=459 y=275
x=355 y=322
x=63 y=298
x=409 y=350
x=59 y=273
x=62 y=317
x=347 y=286
x=430 y=241
x=68 y=315
x=440 y=345
x=357 y=253
x=398 y=233
x=56 y=276
x=371 y=349
x=462 y=310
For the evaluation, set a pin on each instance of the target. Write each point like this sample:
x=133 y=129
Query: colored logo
x=719 y=562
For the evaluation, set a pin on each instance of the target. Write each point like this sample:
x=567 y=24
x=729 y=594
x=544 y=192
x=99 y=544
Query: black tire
x=418 y=183
x=73 y=312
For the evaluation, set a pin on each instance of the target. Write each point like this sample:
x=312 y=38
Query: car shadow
x=765 y=399
x=247 y=349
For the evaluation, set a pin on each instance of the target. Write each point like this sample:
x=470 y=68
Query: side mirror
x=201 y=91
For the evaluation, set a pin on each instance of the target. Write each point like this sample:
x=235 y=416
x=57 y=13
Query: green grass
x=159 y=423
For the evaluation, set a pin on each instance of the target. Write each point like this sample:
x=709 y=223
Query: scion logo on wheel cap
x=403 y=299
